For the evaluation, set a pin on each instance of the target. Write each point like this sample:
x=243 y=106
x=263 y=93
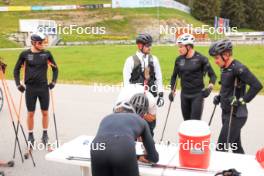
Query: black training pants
x=118 y=158
x=235 y=133
x=192 y=106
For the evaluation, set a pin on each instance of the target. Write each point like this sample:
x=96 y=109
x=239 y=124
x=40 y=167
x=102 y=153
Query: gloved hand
x=21 y=88
x=217 y=100
x=171 y=96
x=206 y=92
x=237 y=102
x=149 y=117
x=51 y=85
x=160 y=101
x=233 y=101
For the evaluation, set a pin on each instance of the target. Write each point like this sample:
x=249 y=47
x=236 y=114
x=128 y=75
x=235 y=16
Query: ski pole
x=18 y=121
x=155 y=165
x=17 y=128
x=54 y=118
x=211 y=118
x=167 y=116
x=231 y=115
x=10 y=113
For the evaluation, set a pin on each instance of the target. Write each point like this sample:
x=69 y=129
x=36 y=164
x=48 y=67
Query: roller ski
x=30 y=145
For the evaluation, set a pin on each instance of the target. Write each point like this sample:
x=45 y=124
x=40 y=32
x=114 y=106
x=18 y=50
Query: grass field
x=104 y=64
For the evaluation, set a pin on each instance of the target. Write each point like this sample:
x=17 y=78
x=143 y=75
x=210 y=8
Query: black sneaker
x=45 y=138
x=2 y=173
x=31 y=139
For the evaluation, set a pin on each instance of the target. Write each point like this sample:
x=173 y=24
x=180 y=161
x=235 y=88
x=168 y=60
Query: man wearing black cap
x=144 y=69
x=35 y=62
x=233 y=95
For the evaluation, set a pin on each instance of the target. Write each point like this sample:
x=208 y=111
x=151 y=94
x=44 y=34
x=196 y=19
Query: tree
x=206 y=10
x=255 y=14
x=235 y=11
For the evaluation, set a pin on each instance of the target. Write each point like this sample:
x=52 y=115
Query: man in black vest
x=233 y=95
x=144 y=68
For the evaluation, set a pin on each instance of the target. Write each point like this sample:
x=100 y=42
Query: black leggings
x=118 y=158
x=235 y=133
x=192 y=106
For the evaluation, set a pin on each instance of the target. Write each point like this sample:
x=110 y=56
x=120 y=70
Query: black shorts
x=117 y=158
x=37 y=92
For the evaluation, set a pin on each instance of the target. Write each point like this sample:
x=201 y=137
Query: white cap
x=186 y=39
x=194 y=128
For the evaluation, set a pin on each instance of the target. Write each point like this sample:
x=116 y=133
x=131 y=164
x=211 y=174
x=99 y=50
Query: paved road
x=79 y=110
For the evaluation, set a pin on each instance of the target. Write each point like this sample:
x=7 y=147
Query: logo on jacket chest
x=30 y=57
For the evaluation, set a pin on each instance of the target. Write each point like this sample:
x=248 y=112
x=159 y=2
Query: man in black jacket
x=116 y=155
x=35 y=62
x=191 y=67
x=233 y=95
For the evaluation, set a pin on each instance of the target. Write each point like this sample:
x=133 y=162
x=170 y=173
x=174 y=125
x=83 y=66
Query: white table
x=168 y=154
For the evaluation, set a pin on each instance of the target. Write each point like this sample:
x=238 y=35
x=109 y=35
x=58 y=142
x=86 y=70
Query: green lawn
x=104 y=63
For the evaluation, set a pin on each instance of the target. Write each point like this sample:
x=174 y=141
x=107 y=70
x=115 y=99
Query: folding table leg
x=85 y=171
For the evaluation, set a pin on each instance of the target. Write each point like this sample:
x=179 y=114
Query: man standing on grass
x=233 y=95
x=144 y=68
x=35 y=62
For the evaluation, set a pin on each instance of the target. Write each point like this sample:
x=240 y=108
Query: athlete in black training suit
x=234 y=75
x=191 y=67
x=113 y=149
x=35 y=62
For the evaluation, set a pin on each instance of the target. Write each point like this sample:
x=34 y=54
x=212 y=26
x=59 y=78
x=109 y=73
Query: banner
x=55 y=7
x=134 y=3
x=45 y=26
x=3 y=9
x=150 y=3
x=90 y=6
x=19 y=8
x=221 y=23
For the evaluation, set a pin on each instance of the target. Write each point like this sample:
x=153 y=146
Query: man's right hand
x=21 y=88
x=143 y=159
x=149 y=117
x=216 y=100
x=171 y=96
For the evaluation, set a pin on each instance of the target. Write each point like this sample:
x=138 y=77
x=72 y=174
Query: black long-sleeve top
x=191 y=72
x=36 y=66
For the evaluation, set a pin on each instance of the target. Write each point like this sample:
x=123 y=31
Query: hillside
x=119 y=23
